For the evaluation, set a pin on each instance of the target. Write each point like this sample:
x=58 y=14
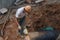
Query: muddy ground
x=42 y=16
x=45 y=15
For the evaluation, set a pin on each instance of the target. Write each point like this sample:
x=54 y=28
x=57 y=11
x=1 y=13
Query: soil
x=45 y=15
x=40 y=16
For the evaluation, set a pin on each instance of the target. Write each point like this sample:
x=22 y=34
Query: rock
x=38 y=1
x=3 y=10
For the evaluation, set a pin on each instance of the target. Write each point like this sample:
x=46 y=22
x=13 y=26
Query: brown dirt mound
x=47 y=15
x=9 y=30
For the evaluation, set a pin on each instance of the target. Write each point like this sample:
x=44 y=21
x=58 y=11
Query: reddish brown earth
x=44 y=15
x=10 y=29
x=39 y=17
